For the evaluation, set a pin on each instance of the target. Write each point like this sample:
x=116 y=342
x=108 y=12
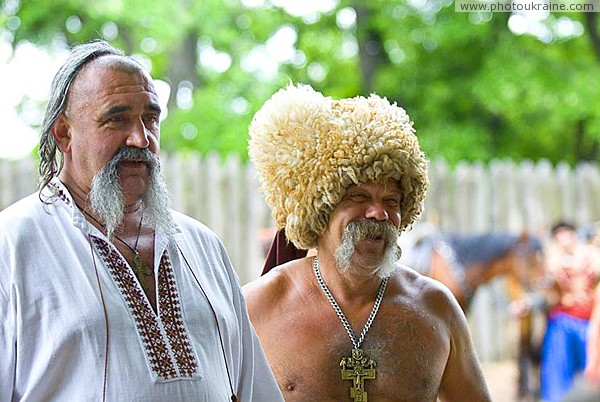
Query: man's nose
x=138 y=136
x=376 y=211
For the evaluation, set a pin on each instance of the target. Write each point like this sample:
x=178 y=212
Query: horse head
x=465 y=262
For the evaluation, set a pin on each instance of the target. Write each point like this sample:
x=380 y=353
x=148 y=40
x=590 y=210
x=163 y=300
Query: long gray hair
x=51 y=161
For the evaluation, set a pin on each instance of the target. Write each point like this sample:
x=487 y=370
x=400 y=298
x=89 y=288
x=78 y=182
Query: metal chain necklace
x=356 y=367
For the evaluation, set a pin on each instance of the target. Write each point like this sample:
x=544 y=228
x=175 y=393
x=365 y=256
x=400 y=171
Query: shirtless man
x=586 y=388
x=592 y=367
x=574 y=268
x=349 y=323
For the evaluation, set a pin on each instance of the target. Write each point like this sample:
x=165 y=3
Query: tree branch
x=592 y=27
x=183 y=64
x=371 y=51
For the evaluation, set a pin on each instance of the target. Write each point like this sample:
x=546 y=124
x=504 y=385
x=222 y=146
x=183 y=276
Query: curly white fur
x=308 y=148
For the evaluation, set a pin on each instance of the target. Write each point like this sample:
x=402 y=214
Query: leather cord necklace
x=142 y=272
x=233 y=397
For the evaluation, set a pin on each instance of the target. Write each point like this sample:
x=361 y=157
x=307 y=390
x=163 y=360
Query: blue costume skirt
x=563 y=355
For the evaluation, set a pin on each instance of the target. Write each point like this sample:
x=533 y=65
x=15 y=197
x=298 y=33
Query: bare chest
x=403 y=358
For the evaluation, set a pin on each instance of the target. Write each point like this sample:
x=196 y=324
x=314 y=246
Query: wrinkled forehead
x=110 y=76
x=119 y=63
x=111 y=64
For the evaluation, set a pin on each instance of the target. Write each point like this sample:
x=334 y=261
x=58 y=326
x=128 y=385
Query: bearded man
x=344 y=178
x=107 y=294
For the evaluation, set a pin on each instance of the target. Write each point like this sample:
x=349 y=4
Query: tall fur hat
x=308 y=148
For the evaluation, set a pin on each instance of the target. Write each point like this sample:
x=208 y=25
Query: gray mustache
x=369 y=229
x=127 y=154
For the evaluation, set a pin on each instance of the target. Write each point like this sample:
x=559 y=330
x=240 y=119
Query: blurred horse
x=465 y=262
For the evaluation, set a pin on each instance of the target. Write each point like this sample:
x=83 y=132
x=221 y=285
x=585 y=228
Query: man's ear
x=61 y=131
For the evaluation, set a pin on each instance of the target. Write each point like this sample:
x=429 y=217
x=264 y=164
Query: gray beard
x=367 y=229
x=108 y=202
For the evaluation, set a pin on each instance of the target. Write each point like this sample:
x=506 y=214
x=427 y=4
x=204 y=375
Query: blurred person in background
x=574 y=268
x=587 y=387
x=592 y=368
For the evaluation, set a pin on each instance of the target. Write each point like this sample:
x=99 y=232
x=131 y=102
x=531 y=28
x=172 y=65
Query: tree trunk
x=592 y=27
x=495 y=130
x=182 y=66
x=585 y=150
x=371 y=51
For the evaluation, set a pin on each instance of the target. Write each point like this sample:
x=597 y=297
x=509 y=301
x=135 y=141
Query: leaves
x=475 y=89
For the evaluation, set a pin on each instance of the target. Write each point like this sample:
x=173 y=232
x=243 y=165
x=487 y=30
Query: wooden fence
x=470 y=198
x=224 y=195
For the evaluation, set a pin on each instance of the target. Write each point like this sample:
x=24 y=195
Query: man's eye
x=358 y=197
x=116 y=119
x=152 y=119
x=392 y=202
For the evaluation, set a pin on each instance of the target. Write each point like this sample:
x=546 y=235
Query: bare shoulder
x=268 y=285
x=266 y=295
x=593 y=256
x=263 y=292
x=419 y=285
x=425 y=292
x=439 y=313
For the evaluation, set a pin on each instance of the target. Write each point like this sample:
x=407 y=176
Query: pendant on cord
x=358 y=368
x=139 y=268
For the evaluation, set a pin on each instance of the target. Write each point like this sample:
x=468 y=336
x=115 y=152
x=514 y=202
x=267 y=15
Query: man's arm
x=255 y=378
x=264 y=386
x=463 y=378
x=7 y=330
x=262 y=295
x=592 y=369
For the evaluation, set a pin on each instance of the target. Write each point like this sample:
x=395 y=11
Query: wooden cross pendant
x=358 y=368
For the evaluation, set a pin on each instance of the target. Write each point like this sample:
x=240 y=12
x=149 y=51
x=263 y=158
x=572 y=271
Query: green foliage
x=475 y=90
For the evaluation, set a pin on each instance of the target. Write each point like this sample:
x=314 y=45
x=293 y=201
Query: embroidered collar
x=57 y=192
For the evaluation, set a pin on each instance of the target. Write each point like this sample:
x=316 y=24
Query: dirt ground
x=501 y=378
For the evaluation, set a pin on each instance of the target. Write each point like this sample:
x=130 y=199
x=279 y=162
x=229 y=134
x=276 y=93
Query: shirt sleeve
x=263 y=386
x=253 y=376
x=7 y=330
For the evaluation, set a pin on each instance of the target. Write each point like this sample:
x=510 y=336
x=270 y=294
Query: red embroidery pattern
x=170 y=315
x=60 y=194
x=159 y=350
